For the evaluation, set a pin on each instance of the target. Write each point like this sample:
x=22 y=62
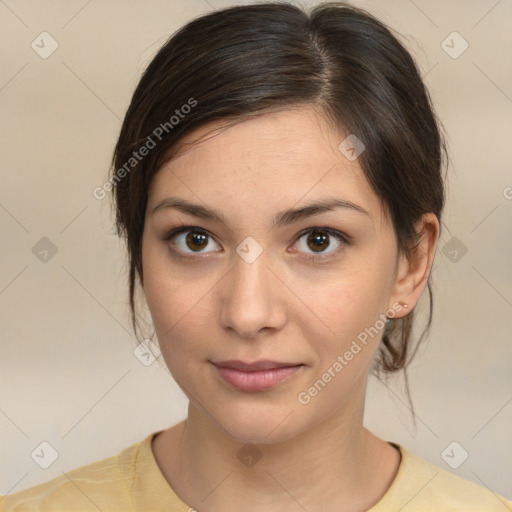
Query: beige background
x=68 y=373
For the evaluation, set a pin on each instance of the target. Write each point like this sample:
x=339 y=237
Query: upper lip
x=251 y=367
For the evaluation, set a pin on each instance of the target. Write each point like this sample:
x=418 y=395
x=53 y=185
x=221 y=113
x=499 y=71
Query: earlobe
x=414 y=270
x=401 y=288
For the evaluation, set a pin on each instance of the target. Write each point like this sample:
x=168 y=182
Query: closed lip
x=253 y=367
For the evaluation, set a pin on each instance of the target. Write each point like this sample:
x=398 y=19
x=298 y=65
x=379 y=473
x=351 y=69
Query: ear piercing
x=403 y=304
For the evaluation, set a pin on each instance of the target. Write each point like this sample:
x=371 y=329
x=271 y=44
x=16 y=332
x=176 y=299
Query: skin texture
x=215 y=306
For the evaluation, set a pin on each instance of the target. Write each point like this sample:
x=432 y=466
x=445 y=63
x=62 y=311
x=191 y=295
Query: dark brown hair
x=247 y=60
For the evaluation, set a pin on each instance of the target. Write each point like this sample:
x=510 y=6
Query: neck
x=337 y=461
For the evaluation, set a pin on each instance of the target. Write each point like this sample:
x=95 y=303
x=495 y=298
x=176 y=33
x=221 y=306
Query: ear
x=413 y=272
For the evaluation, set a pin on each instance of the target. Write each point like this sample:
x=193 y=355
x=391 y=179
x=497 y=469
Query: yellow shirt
x=131 y=481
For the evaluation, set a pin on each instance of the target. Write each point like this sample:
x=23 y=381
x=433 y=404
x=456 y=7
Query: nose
x=251 y=298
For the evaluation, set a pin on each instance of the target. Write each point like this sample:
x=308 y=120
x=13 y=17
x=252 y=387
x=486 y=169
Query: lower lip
x=260 y=380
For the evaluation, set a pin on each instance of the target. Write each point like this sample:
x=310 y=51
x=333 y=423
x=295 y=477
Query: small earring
x=403 y=304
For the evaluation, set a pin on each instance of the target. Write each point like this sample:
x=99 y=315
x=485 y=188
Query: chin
x=258 y=428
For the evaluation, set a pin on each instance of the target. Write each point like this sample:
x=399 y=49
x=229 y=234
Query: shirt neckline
x=151 y=491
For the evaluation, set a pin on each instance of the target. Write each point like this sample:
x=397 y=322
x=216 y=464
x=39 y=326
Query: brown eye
x=319 y=240
x=189 y=240
x=196 y=241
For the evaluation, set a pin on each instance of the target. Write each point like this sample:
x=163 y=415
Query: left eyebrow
x=283 y=218
x=294 y=215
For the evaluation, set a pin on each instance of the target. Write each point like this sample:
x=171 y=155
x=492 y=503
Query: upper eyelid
x=184 y=228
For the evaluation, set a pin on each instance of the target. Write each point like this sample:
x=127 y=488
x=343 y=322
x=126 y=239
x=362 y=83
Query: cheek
x=355 y=294
x=166 y=295
x=345 y=311
x=350 y=335
x=175 y=314
x=175 y=309
x=180 y=310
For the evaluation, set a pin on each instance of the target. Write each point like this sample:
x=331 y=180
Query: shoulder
x=421 y=486
x=101 y=485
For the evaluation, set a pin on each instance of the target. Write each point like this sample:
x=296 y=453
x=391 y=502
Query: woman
x=278 y=180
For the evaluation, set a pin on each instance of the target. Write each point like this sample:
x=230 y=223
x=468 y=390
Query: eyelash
x=341 y=237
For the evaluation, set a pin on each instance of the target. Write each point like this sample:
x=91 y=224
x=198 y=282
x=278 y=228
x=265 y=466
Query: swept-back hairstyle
x=247 y=60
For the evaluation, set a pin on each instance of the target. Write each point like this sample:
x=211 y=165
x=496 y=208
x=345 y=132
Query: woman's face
x=244 y=288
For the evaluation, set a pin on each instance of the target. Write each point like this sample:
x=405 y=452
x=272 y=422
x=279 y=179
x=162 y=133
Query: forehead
x=285 y=134
x=281 y=158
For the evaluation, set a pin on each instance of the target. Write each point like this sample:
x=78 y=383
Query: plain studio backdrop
x=71 y=374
